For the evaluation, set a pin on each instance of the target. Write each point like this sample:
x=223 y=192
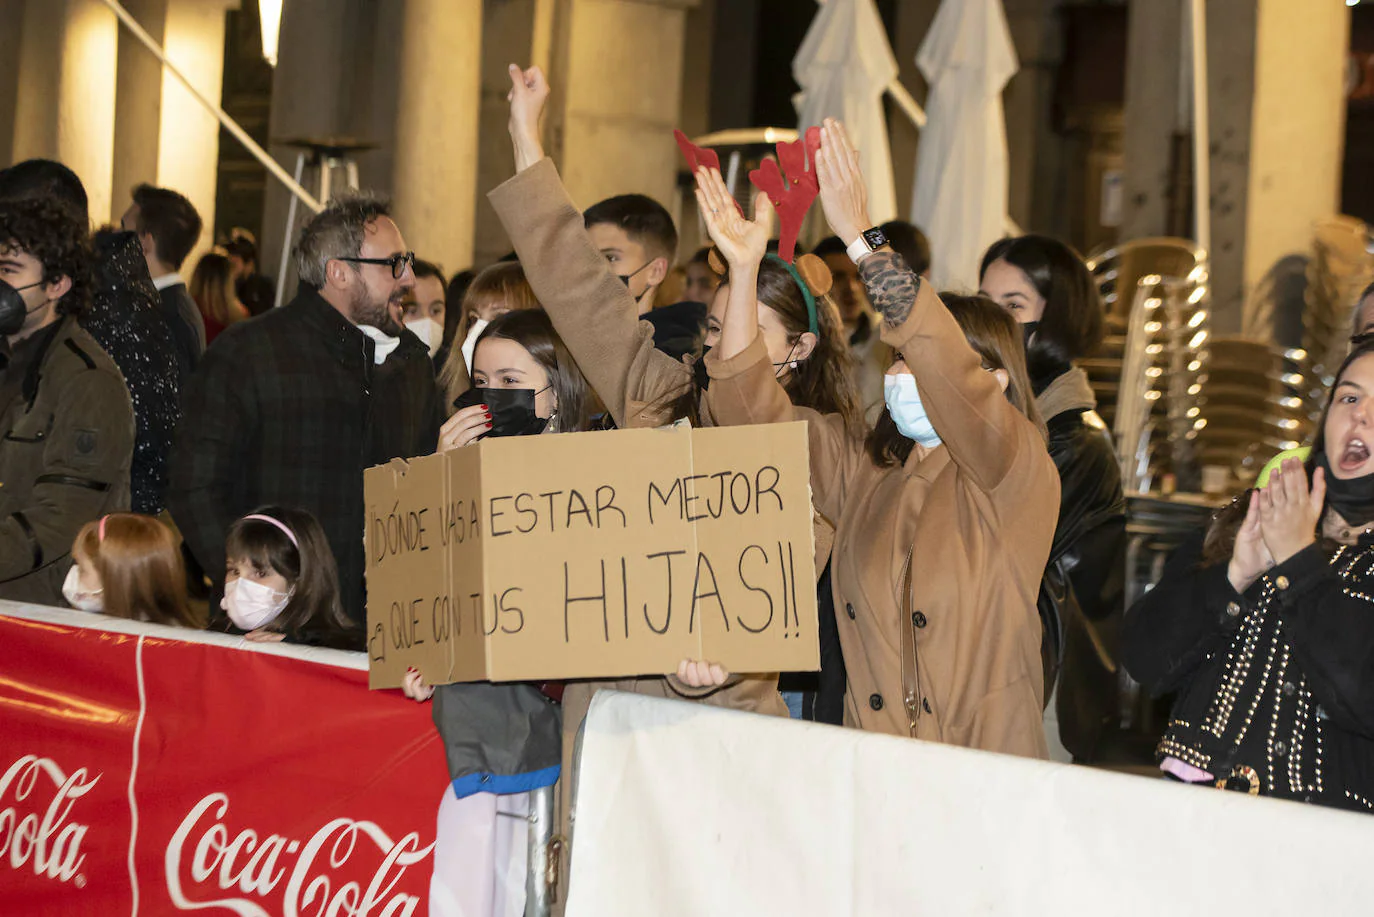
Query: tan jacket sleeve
x=591 y=308
x=744 y=391
x=984 y=432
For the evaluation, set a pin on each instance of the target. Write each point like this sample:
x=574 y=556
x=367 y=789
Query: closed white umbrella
x=843 y=67
x=961 y=166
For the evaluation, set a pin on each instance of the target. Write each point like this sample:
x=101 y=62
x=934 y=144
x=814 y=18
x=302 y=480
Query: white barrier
x=685 y=809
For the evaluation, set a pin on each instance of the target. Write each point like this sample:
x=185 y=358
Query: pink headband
x=278 y=523
x=102 y=527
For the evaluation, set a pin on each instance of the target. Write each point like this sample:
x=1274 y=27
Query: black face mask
x=512 y=410
x=626 y=278
x=1353 y=498
x=1027 y=332
x=13 y=309
x=699 y=373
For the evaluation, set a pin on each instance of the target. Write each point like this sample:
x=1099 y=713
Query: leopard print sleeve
x=891 y=284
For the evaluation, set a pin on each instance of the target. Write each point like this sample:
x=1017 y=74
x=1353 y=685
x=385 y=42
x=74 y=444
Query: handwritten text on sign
x=589 y=555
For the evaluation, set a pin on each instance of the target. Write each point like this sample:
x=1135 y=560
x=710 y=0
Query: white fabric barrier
x=685 y=809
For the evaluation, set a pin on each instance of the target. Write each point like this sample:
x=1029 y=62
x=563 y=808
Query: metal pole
x=540 y=835
x=1202 y=140
x=907 y=103
x=229 y=123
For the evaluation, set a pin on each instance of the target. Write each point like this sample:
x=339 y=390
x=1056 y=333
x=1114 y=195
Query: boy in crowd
x=637 y=236
x=65 y=413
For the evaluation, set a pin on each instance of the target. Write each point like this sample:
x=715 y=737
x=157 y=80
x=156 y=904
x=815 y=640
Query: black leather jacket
x=1089 y=547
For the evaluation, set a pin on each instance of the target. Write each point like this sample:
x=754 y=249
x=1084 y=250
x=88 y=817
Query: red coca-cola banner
x=145 y=770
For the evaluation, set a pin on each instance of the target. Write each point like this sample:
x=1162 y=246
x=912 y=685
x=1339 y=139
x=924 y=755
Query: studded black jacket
x=1275 y=687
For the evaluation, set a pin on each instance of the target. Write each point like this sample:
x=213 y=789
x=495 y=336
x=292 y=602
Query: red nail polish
x=488 y=426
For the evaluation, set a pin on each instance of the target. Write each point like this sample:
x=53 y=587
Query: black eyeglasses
x=1364 y=337
x=398 y=263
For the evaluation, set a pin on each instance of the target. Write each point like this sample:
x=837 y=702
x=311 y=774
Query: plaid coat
x=278 y=411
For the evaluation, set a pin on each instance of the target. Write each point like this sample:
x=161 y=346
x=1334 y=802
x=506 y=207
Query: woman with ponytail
x=1263 y=625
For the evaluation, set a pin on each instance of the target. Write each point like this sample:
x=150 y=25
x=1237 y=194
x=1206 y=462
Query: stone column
x=138 y=103
x=1275 y=87
x=435 y=167
x=620 y=73
x=11 y=45
x=65 y=107
x=1297 y=132
x=511 y=33
x=188 y=137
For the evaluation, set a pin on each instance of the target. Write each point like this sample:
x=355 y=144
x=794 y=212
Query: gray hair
x=336 y=232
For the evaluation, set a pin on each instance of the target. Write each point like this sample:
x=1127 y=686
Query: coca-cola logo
x=44 y=842
x=257 y=866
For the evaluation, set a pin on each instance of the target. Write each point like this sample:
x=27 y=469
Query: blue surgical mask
x=904 y=404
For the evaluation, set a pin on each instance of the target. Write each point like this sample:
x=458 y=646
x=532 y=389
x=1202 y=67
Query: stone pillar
x=11 y=44
x=163 y=136
x=509 y=33
x=1297 y=134
x=435 y=168
x=619 y=79
x=65 y=107
x=1276 y=74
x=138 y=103
x=1154 y=112
x=188 y=138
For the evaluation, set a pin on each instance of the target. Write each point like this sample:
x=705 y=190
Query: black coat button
x=875 y=701
x=918 y=619
x=849 y=610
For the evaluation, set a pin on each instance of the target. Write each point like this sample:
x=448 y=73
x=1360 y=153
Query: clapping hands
x=1280 y=521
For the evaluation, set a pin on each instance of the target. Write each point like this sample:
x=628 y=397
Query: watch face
x=875 y=238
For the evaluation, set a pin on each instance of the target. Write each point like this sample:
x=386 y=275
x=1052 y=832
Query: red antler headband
x=791 y=195
x=791 y=189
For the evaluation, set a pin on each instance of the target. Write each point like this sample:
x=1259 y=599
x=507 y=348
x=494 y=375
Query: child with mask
x=281 y=582
x=944 y=512
x=502 y=740
x=129 y=566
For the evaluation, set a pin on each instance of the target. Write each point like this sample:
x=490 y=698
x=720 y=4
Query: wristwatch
x=869 y=241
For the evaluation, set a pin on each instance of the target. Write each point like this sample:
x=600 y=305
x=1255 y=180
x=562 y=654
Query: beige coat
x=977 y=514
x=597 y=318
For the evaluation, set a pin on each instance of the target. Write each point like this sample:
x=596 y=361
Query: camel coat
x=597 y=318
x=977 y=515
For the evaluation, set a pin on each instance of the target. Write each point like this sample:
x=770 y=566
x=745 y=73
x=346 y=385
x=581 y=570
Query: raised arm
x=745 y=389
x=985 y=434
x=590 y=307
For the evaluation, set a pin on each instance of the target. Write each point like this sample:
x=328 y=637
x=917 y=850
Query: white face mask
x=78 y=597
x=385 y=343
x=251 y=605
x=471 y=343
x=429 y=331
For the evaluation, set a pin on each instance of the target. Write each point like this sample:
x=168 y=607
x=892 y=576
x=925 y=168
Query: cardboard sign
x=587 y=555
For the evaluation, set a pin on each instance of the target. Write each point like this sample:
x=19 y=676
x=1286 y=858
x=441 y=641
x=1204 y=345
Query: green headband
x=805 y=291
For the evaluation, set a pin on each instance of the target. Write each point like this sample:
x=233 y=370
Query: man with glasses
x=280 y=410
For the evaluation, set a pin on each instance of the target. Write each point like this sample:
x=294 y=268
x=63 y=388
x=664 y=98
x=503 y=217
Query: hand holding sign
x=702 y=674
